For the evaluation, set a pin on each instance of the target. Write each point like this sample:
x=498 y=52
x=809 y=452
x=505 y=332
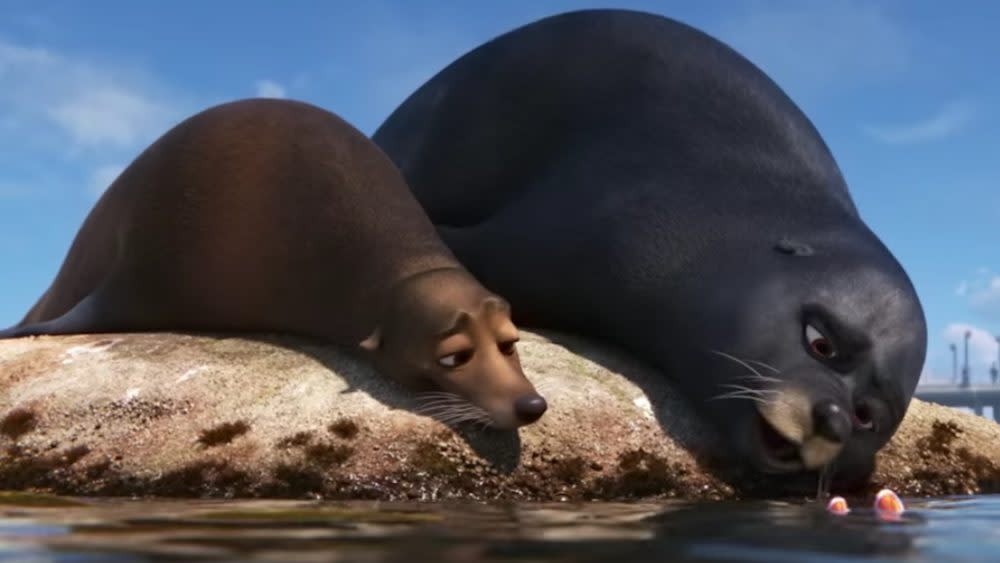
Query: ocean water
x=35 y=528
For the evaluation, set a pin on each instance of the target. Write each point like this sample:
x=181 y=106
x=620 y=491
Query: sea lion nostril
x=831 y=422
x=530 y=408
x=863 y=417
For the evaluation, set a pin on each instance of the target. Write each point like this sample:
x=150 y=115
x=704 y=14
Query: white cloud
x=270 y=89
x=962 y=289
x=90 y=105
x=949 y=120
x=103 y=176
x=987 y=299
x=104 y=114
x=982 y=347
x=982 y=294
x=818 y=46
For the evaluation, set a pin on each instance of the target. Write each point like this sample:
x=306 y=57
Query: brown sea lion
x=278 y=216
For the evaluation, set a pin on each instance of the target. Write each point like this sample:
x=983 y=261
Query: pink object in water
x=838 y=506
x=888 y=502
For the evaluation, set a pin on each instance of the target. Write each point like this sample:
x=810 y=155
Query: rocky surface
x=204 y=415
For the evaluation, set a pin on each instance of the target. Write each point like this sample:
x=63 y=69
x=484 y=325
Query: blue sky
x=903 y=91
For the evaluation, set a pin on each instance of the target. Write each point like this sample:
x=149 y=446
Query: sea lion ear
x=373 y=342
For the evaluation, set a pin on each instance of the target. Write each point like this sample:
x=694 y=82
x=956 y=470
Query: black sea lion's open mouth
x=779 y=454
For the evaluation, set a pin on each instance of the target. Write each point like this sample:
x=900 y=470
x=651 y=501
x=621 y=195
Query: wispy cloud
x=270 y=89
x=93 y=106
x=105 y=114
x=986 y=300
x=103 y=176
x=982 y=294
x=68 y=116
x=949 y=120
x=963 y=288
x=818 y=46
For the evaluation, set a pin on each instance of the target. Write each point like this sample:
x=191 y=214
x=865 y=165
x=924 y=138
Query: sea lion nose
x=530 y=408
x=831 y=422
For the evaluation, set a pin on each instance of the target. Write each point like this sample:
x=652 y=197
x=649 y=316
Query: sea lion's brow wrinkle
x=600 y=201
x=457 y=325
x=497 y=304
x=795 y=248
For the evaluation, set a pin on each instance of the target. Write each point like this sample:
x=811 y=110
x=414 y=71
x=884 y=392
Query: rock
x=210 y=415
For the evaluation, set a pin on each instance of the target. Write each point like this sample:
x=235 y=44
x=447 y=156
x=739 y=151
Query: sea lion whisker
x=749 y=394
x=446 y=414
x=470 y=416
x=437 y=408
x=443 y=400
x=435 y=394
x=453 y=420
x=738 y=387
x=739 y=361
x=755 y=377
x=438 y=412
x=734 y=395
x=460 y=410
x=764 y=365
x=447 y=409
x=482 y=419
x=742 y=391
x=443 y=403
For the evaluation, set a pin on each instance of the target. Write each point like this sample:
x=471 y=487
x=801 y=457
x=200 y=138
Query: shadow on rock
x=500 y=448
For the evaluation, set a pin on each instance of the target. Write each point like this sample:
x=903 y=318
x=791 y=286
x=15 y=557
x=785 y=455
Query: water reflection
x=320 y=531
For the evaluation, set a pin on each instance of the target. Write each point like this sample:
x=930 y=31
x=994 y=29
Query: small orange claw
x=887 y=501
x=838 y=506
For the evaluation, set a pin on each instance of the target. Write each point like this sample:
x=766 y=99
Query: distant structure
x=977 y=398
x=995 y=370
x=965 y=364
x=954 y=363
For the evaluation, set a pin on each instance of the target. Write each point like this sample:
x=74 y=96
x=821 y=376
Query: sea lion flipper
x=9 y=333
x=86 y=316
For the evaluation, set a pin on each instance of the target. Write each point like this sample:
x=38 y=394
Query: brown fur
x=274 y=215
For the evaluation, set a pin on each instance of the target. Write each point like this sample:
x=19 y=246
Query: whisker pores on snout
x=451 y=409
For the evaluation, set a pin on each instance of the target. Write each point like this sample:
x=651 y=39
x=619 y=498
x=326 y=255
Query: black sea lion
x=649 y=186
x=272 y=215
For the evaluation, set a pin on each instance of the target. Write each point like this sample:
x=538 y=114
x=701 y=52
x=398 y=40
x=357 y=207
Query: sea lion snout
x=530 y=408
x=831 y=422
x=798 y=429
x=443 y=329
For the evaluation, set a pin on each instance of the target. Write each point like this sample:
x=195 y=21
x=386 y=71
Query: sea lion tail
x=9 y=333
x=17 y=331
x=84 y=317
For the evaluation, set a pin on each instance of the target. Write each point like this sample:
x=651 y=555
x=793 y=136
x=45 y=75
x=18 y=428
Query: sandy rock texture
x=211 y=415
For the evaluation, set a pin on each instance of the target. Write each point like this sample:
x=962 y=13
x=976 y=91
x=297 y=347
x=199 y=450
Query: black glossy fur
x=624 y=176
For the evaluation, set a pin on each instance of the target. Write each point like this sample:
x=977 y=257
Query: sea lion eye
x=819 y=344
x=457 y=359
x=508 y=348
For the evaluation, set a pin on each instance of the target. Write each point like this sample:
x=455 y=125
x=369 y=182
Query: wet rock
x=220 y=416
